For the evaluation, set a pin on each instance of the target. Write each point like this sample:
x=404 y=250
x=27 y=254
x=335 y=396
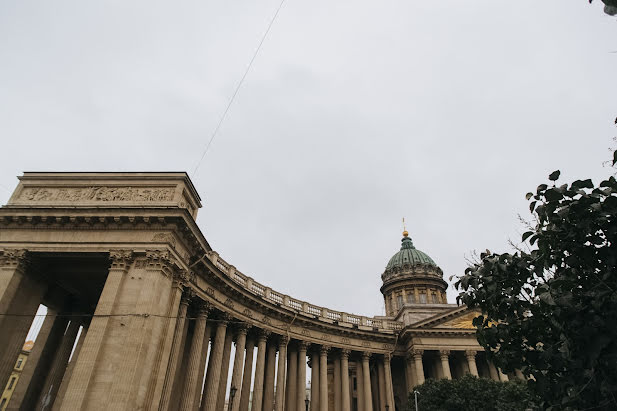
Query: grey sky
x=355 y=114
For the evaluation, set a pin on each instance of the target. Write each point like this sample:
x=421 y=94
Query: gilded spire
x=405 y=233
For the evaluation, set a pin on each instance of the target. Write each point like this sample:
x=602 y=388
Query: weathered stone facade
x=119 y=256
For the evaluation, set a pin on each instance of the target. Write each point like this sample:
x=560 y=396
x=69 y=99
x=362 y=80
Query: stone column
x=471 y=362
x=360 y=386
x=121 y=261
x=280 y=375
x=502 y=377
x=410 y=367
x=236 y=375
x=417 y=358
x=345 y=395
x=269 y=377
x=224 y=371
x=381 y=384
x=61 y=360
x=445 y=364
x=191 y=384
x=492 y=371
x=366 y=374
x=19 y=294
x=292 y=380
x=210 y=395
x=323 y=378
x=388 y=375
x=174 y=356
x=314 y=380
x=199 y=403
x=69 y=369
x=258 y=388
x=301 y=384
x=337 y=382
x=247 y=375
x=30 y=383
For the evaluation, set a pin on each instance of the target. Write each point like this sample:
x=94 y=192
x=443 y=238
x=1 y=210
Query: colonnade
x=416 y=361
x=278 y=382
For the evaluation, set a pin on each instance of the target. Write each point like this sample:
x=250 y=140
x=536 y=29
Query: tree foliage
x=471 y=394
x=551 y=311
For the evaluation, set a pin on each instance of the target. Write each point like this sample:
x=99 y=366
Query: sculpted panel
x=102 y=194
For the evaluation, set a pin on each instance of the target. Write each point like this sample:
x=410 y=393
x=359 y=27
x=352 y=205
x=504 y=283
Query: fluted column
x=247 y=375
x=445 y=364
x=471 y=362
x=224 y=371
x=61 y=360
x=269 y=376
x=174 y=356
x=258 y=387
x=280 y=374
x=323 y=378
x=417 y=359
x=199 y=398
x=381 y=385
x=210 y=396
x=236 y=375
x=366 y=374
x=337 y=382
x=191 y=384
x=292 y=383
x=69 y=369
x=388 y=374
x=360 y=386
x=314 y=380
x=301 y=384
x=345 y=395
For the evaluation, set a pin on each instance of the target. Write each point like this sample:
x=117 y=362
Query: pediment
x=460 y=318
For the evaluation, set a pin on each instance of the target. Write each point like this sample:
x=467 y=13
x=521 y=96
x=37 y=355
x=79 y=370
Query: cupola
x=411 y=277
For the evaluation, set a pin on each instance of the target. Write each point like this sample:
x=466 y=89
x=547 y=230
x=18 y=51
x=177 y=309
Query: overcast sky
x=354 y=114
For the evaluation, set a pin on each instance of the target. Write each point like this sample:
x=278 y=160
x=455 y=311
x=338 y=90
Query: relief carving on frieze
x=105 y=194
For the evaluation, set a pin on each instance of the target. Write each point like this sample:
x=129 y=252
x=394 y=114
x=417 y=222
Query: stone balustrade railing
x=302 y=307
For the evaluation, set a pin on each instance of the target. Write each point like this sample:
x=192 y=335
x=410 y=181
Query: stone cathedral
x=142 y=312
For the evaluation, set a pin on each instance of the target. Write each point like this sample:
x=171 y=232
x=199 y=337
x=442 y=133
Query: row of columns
x=415 y=367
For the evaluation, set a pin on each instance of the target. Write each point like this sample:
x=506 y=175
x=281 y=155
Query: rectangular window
x=423 y=297
x=411 y=298
x=435 y=300
x=19 y=363
x=399 y=301
x=11 y=383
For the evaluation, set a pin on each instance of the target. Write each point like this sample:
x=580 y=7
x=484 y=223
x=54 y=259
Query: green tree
x=610 y=6
x=471 y=394
x=551 y=310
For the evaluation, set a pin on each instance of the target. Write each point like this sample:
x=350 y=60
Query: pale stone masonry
x=118 y=259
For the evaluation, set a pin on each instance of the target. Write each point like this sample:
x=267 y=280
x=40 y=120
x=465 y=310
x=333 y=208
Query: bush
x=471 y=394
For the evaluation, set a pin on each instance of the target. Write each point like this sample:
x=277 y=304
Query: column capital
x=242 y=328
x=203 y=308
x=345 y=353
x=471 y=353
x=14 y=258
x=302 y=345
x=323 y=350
x=187 y=296
x=366 y=355
x=283 y=341
x=417 y=353
x=224 y=319
x=262 y=335
x=121 y=259
x=444 y=353
x=387 y=357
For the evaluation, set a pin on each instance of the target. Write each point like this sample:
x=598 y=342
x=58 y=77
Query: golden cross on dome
x=405 y=233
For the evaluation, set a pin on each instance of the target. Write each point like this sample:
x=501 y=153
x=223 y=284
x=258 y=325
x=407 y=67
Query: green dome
x=409 y=256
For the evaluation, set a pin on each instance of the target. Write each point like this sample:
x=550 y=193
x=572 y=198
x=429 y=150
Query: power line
x=233 y=96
